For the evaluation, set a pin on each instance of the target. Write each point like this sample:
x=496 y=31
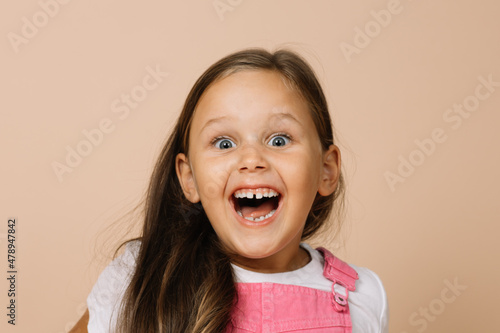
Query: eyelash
x=214 y=140
x=283 y=135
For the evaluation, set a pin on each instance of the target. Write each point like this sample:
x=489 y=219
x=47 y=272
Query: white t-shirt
x=367 y=304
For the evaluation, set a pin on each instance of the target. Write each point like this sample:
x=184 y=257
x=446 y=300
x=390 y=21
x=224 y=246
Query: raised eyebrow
x=286 y=115
x=214 y=121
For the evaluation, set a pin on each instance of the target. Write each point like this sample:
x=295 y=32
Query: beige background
x=439 y=225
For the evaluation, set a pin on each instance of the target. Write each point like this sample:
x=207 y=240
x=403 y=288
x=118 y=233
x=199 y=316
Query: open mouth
x=256 y=205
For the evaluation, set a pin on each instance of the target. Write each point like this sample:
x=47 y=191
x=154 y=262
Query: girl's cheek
x=213 y=179
x=305 y=171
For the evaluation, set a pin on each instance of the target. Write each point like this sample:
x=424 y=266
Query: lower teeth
x=258 y=219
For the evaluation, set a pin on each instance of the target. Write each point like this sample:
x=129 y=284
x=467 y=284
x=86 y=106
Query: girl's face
x=256 y=163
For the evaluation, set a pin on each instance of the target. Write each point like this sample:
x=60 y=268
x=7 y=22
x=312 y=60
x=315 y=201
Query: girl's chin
x=249 y=255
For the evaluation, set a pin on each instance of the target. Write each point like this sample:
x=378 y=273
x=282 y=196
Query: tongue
x=255 y=212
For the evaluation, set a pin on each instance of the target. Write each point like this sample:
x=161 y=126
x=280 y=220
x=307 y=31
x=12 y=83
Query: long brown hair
x=183 y=280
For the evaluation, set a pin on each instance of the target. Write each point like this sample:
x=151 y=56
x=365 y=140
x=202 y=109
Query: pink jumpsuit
x=272 y=307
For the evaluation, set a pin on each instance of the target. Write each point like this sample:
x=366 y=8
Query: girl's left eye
x=279 y=140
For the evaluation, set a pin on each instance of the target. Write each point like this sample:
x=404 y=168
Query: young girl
x=249 y=172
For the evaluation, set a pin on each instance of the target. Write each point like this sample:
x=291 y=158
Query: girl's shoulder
x=106 y=294
x=369 y=283
x=368 y=303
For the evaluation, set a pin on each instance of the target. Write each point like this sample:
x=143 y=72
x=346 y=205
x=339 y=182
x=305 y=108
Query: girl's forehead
x=258 y=91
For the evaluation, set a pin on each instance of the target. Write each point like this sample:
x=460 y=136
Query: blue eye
x=224 y=143
x=279 y=141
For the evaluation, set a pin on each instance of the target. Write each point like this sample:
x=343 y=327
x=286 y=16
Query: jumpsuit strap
x=340 y=273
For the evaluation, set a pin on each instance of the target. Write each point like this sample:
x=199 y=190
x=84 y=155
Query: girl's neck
x=278 y=263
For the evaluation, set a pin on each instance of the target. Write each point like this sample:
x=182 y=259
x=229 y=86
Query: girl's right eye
x=224 y=143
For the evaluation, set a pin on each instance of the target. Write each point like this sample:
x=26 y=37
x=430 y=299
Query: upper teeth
x=258 y=193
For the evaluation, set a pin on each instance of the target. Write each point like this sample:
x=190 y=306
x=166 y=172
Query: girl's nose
x=252 y=159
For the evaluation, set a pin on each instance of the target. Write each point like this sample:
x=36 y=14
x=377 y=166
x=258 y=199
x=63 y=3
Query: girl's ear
x=330 y=171
x=186 y=178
